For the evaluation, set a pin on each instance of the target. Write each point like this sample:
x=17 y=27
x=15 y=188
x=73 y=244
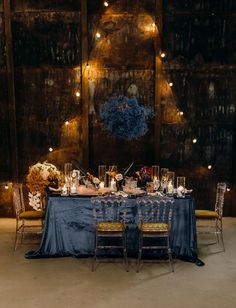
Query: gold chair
x=24 y=217
x=213 y=219
x=109 y=214
x=154 y=223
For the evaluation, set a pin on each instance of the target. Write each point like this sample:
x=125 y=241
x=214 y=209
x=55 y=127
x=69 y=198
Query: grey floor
x=69 y=283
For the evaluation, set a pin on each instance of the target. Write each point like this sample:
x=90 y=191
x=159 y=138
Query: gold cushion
x=32 y=215
x=110 y=226
x=153 y=227
x=205 y=214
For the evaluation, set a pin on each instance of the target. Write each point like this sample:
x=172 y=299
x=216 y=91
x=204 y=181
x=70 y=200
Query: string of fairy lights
x=162 y=54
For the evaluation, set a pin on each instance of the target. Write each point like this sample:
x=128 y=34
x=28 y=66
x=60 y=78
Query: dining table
x=69 y=228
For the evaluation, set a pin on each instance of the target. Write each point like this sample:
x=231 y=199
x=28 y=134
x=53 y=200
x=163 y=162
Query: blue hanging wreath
x=124 y=118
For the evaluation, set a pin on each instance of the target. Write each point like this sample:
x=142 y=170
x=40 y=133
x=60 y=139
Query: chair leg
x=140 y=251
x=222 y=240
x=95 y=252
x=170 y=260
x=125 y=251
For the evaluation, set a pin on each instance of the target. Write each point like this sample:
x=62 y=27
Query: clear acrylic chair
x=25 y=219
x=109 y=214
x=154 y=223
x=210 y=222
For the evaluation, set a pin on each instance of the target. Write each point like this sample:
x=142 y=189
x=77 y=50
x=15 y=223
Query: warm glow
x=87 y=65
x=50 y=149
x=98 y=35
x=67 y=122
x=228 y=189
x=171 y=84
x=209 y=167
x=163 y=54
x=153 y=25
x=195 y=140
x=77 y=93
x=106 y=3
x=181 y=113
x=6 y=186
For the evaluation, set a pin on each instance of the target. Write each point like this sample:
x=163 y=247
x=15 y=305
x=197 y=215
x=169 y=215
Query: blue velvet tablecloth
x=69 y=228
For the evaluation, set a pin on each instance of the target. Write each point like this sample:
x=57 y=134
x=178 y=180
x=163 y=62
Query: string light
x=67 y=122
x=228 y=189
x=171 y=84
x=77 y=93
x=98 y=35
x=181 y=113
x=194 y=140
x=87 y=65
x=153 y=25
x=106 y=3
x=6 y=186
x=209 y=167
x=50 y=149
x=162 y=54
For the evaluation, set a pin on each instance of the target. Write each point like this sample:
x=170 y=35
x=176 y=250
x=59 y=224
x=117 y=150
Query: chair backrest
x=109 y=209
x=220 y=192
x=155 y=209
x=18 y=200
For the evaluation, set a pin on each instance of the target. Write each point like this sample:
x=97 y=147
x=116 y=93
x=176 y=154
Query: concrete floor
x=69 y=282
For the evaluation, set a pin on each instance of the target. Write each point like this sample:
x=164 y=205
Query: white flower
x=44 y=174
x=96 y=180
x=119 y=177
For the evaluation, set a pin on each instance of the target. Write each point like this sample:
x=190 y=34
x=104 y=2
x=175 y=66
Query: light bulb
x=98 y=35
x=106 y=3
x=50 y=149
x=163 y=54
x=87 y=65
x=153 y=25
x=195 y=140
x=171 y=84
x=77 y=93
x=181 y=113
x=228 y=189
x=6 y=186
x=67 y=122
x=209 y=167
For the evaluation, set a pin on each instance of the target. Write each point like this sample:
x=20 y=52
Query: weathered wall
x=199 y=38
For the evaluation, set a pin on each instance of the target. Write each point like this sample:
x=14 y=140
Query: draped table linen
x=69 y=228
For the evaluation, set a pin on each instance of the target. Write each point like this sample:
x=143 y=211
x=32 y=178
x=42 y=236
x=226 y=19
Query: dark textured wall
x=199 y=38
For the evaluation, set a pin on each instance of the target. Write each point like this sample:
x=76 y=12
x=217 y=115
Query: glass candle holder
x=180 y=185
x=171 y=177
x=164 y=174
x=102 y=173
x=155 y=172
x=111 y=168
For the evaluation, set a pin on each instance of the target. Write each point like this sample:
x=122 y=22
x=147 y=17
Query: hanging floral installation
x=124 y=118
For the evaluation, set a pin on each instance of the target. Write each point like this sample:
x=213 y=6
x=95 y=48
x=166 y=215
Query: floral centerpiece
x=144 y=176
x=41 y=176
x=124 y=118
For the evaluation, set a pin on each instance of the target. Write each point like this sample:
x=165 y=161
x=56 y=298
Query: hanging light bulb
x=181 y=113
x=98 y=35
x=6 y=186
x=194 y=140
x=162 y=54
x=67 y=122
x=105 y=3
x=50 y=149
x=77 y=93
x=228 y=188
x=209 y=167
x=87 y=65
x=171 y=84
